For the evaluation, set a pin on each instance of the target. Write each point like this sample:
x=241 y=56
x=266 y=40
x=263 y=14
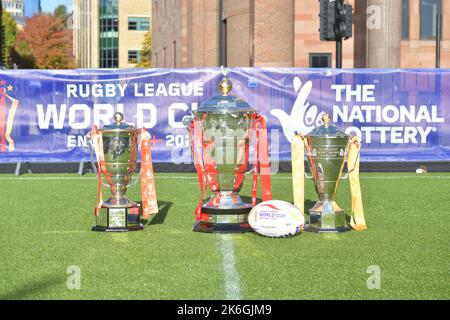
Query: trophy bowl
x=117 y=156
x=326 y=148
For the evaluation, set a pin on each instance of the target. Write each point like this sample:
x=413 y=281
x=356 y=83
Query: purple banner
x=400 y=115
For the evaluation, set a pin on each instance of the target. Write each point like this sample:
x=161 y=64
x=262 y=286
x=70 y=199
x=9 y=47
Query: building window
x=429 y=9
x=165 y=57
x=405 y=19
x=174 y=54
x=109 y=24
x=134 y=56
x=109 y=33
x=223 y=43
x=320 y=60
x=139 y=23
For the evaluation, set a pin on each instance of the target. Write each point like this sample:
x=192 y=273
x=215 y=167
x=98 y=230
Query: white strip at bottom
x=231 y=275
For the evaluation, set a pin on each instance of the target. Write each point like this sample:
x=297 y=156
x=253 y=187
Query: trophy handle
x=134 y=181
x=307 y=152
x=187 y=121
x=93 y=164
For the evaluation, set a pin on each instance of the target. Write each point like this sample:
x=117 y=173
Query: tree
x=48 y=40
x=23 y=56
x=146 y=61
x=10 y=38
x=60 y=12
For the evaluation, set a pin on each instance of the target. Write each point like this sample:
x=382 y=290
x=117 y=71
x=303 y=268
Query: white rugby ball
x=276 y=218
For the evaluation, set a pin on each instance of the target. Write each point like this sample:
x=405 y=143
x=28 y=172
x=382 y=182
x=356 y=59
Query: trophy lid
x=225 y=103
x=327 y=130
x=118 y=125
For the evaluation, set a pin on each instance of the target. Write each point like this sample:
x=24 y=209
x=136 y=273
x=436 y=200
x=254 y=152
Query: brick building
x=284 y=33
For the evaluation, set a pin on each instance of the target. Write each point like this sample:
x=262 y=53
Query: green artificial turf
x=46 y=222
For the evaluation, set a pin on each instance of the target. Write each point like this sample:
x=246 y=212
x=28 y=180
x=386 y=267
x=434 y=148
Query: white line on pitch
x=64 y=232
x=231 y=275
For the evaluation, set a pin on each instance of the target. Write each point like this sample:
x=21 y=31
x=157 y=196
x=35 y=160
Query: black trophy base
x=119 y=219
x=321 y=230
x=224 y=220
x=203 y=226
x=107 y=229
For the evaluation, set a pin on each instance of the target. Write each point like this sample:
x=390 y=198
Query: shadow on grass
x=248 y=199
x=41 y=285
x=309 y=204
x=160 y=217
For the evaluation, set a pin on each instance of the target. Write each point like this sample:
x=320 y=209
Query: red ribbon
x=261 y=161
x=149 y=201
x=2 y=121
x=196 y=135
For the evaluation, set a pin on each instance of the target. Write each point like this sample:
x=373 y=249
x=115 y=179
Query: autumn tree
x=48 y=42
x=146 y=61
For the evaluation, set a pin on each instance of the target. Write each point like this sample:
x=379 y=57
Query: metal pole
x=339 y=53
x=438 y=40
x=252 y=34
x=220 y=35
x=80 y=168
x=18 y=167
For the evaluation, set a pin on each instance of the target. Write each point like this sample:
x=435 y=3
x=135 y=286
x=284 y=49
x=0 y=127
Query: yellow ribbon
x=357 y=221
x=298 y=171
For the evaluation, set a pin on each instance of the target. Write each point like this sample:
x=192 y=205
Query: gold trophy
x=328 y=149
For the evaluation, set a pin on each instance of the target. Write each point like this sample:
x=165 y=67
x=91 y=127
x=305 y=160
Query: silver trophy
x=327 y=149
x=223 y=128
x=117 y=153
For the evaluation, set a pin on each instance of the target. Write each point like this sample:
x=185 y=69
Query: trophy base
x=119 y=219
x=221 y=220
x=309 y=228
x=106 y=229
x=326 y=217
x=202 y=226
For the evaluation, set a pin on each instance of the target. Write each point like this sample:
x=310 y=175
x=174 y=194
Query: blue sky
x=50 y=5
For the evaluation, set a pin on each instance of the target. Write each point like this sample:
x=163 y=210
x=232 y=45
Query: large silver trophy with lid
x=220 y=132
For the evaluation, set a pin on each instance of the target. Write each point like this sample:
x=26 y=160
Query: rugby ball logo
x=276 y=218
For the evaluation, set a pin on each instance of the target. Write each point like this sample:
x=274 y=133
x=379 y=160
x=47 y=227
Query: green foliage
x=10 y=38
x=60 y=12
x=22 y=56
x=146 y=61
